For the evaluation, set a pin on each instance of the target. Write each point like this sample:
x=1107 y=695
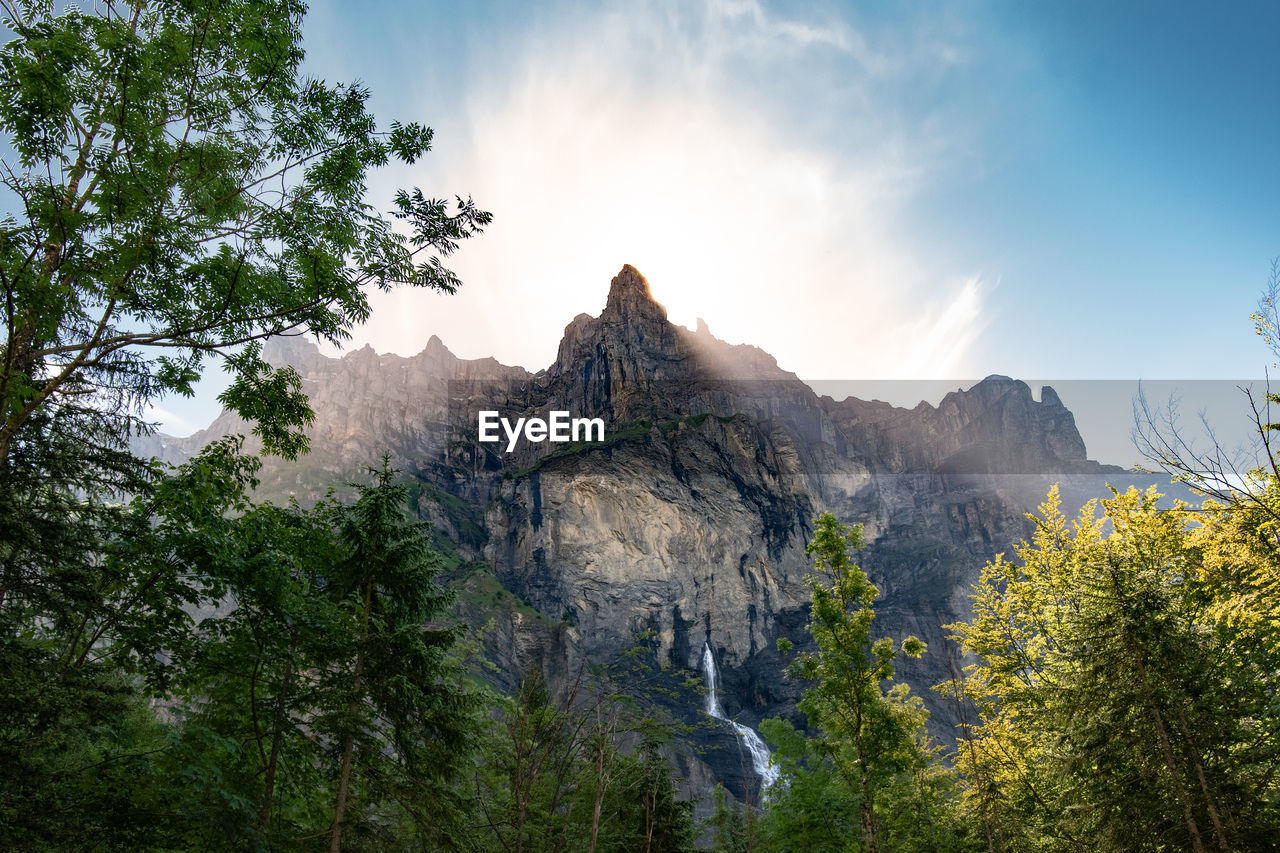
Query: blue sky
x=1080 y=190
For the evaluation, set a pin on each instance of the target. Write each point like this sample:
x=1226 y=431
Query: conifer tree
x=1116 y=711
x=400 y=722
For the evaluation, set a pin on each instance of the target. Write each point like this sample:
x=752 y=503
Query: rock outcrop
x=690 y=519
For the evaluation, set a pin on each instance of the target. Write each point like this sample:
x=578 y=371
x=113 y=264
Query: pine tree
x=400 y=721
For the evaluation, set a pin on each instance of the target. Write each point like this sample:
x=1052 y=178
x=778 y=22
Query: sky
x=1066 y=191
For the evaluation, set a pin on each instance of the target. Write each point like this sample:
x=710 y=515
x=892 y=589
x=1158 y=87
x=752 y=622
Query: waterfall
x=761 y=761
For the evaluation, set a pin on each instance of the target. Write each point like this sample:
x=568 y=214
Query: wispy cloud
x=759 y=28
x=682 y=139
x=944 y=333
x=170 y=423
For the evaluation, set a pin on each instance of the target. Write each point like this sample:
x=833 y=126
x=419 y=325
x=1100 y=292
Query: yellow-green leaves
x=1118 y=708
x=871 y=754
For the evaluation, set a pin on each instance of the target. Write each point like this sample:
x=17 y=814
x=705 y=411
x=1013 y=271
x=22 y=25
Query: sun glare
x=730 y=218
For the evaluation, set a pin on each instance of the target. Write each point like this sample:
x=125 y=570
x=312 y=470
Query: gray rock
x=691 y=519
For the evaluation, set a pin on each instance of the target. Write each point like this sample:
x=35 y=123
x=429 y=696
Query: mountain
x=687 y=523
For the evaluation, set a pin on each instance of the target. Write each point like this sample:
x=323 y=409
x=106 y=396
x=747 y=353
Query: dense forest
x=185 y=667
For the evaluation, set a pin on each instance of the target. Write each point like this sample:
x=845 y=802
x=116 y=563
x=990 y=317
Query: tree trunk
x=518 y=788
x=349 y=738
x=967 y=736
x=1196 y=843
x=866 y=814
x=867 y=820
x=1167 y=750
x=1218 y=830
x=650 y=817
x=599 y=800
x=273 y=759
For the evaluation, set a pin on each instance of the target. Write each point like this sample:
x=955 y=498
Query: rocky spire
x=630 y=298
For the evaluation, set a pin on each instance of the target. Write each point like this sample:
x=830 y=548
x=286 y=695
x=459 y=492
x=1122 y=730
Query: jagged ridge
x=691 y=521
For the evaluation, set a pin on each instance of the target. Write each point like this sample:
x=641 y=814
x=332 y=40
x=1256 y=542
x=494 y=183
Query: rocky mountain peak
x=630 y=297
x=296 y=351
x=689 y=521
x=607 y=360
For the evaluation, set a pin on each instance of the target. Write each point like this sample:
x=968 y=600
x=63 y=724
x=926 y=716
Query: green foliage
x=393 y=702
x=1241 y=566
x=78 y=756
x=731 y=826
x=557 y=775
x=179 y=191
x=85 y=633
x=466 y=519
x=323 y=674
x=242 y=681
x=319 y=665
x=1118 y=710
x=811 y=810
x=480 y=590
x=870 y=773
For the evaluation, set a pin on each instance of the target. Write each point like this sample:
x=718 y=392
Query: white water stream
x=761 y=761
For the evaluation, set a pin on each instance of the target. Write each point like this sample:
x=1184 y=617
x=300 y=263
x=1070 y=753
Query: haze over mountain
x=690 y=519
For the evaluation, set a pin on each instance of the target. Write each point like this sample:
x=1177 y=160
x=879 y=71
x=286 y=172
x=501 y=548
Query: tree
x=585 y=772
x=240 y=681
x=1126 y=663
x=394 y=708
x=1232 y=478
x=530 y=769
x=79 y=733
x=730 y=824
x=176 y=191
x=1242 y=513
x=181 y=191
x=1116 y=711
x=871 y=745
x=319 y=694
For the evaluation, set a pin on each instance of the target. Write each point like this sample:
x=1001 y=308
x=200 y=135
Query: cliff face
x=690 y=520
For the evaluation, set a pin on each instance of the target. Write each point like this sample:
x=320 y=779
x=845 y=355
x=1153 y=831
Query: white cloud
x=169 y=422
x=772 y=33
x=630 y=137
x=943 y=334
